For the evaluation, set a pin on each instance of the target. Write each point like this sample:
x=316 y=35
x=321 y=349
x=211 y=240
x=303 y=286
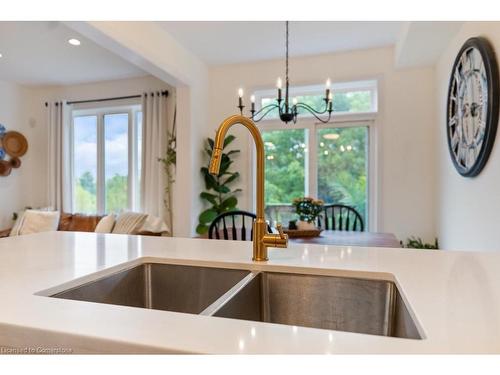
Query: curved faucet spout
x=259 y=147
x=261 y=239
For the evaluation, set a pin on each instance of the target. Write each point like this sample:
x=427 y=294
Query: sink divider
x=390 y=310
x=222 y=300
x=148 y=291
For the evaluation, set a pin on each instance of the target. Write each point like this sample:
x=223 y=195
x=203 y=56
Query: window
x=106 y=159
x=85 y=165
x=329 y=161
x=342 y=168
x=286 y=156
x=350 y=97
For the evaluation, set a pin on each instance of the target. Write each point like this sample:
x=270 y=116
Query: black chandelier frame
x=289 y=112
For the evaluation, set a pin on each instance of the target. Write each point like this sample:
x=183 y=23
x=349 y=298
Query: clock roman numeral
x=453 y=120
x=454 y=141
x=461 y=157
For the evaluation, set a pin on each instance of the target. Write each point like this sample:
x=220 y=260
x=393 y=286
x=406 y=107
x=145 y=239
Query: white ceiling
x=37 y=53
x=422 y=42
x=235 y=42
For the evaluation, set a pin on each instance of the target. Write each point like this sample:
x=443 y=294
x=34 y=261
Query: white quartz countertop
x=454 y=296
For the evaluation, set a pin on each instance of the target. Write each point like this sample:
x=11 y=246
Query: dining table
x=336 y=238
x=349 y=238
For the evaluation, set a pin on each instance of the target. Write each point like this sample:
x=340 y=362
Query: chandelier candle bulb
x=279 y=84
x=252 y=100
x=294 y=101
x=328 y=85
x=240 y=99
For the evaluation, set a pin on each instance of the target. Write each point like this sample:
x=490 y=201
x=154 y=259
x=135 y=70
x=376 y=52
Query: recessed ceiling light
x=1 y=55
x=74 y=42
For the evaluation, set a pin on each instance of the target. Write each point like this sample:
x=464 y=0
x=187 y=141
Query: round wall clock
x=472 y=110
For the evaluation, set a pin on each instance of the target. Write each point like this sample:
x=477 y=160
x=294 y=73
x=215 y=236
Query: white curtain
x=59 y=180
x=155 y=189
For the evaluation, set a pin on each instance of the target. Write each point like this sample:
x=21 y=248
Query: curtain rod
x=163 y=93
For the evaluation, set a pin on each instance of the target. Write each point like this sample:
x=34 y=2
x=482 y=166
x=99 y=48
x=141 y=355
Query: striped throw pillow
x=129 y=222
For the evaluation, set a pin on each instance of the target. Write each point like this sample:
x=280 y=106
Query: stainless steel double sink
x=326 y=302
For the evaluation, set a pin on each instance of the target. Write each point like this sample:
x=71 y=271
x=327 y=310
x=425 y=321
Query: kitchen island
x=453 y=297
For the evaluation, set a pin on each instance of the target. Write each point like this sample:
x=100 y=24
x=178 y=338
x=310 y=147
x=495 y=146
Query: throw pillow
x=35 y=221
x=106 y=224
x=129 y=223
x=20 y=218
x=17 y=225
x=154 y=225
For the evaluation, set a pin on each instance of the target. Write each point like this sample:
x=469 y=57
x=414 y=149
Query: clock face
x=472 y=111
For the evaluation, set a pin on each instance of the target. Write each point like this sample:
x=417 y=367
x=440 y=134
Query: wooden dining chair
x=341 y=217
x=240 y=222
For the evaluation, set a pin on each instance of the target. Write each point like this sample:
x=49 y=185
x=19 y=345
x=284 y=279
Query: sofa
x=78 y=223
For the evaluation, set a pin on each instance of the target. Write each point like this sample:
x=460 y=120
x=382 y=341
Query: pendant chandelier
x=288 y=112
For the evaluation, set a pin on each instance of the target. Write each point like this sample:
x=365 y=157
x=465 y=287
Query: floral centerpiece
x=308 y=209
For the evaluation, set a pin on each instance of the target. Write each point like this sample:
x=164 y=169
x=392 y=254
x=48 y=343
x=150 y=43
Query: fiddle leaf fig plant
x=218 y=191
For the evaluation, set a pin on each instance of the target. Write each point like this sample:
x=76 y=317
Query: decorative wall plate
x=15 y=162
x=472 y=109
x=5 y=168
x=14 y=144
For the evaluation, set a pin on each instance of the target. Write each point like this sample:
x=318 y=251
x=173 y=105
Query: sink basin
x=325 y=302
x=336 y=303
x=179 y=288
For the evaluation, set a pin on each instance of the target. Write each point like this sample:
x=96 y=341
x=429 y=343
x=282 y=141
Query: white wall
x=405 y=123
x=20 y=112
x=467 y=209
x=104 y=89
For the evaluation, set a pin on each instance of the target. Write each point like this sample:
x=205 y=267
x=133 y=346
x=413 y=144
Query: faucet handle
x=279 y=239
x=282 y=241
x=279 y=227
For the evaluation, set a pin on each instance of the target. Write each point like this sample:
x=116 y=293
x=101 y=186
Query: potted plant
x=219 y=193
x=308 y=209
x=417 y=243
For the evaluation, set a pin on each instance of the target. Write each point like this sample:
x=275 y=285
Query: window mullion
x=101 y=178
x=313 y=161
x=307 y=163
x=72 y=162
x=131 y=161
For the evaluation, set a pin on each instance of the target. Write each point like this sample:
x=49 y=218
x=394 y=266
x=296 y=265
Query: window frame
x=370 y=85
x=133 y=197
x=338 y=120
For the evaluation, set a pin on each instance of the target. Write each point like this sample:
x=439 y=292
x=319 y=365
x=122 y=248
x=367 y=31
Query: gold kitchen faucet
x=261 y=238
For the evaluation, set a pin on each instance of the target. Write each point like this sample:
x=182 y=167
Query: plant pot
x=304 y=225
